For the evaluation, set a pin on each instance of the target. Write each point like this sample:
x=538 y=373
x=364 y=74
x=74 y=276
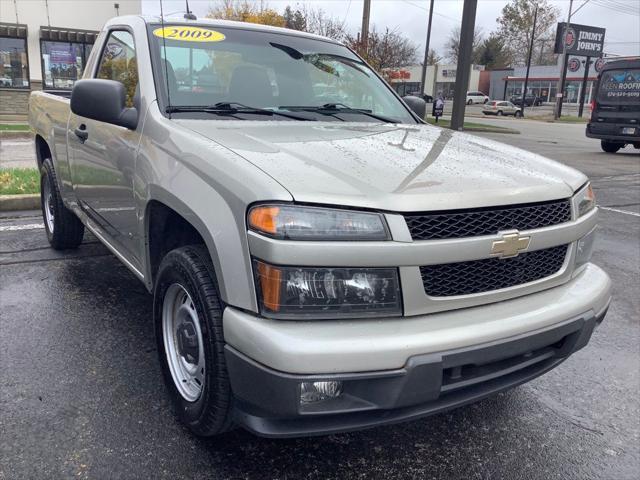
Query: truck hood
x=404 y=168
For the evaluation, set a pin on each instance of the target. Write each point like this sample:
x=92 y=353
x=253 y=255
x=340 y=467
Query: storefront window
x=63 y=63
x=14 y=67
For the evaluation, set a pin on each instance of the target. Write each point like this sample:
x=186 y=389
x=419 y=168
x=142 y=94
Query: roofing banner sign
x=581 y=40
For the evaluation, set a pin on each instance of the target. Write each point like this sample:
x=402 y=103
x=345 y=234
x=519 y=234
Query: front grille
x=477 y=276
x=471 y=223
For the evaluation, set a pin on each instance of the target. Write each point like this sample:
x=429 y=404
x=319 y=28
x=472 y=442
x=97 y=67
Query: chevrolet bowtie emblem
x=510 y=245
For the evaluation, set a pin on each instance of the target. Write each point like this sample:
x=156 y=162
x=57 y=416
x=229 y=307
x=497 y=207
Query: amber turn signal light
x=264 y=219
x=269 y=280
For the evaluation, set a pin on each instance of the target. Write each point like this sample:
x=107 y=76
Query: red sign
x=399 y=75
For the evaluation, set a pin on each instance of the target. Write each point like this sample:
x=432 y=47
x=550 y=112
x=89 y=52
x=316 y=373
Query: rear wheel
x=188 y=320
x=469 y=102
x=499 y=113
x=64 y=229
x=610 y=147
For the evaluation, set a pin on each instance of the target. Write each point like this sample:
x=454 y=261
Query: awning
x=13 y=30
x=68 y=35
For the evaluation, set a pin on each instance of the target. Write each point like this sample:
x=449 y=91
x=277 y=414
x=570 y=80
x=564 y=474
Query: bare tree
x=320 y=23
x=515 y=25
x=385 y=50
x=433 y=58
x=453 y=45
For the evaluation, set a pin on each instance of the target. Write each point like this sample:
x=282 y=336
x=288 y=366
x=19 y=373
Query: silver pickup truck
x=320 y=259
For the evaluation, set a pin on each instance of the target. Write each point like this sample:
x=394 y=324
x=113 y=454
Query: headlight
x=293 y=222
x=584 y=249
x=585 y=200
x=322 y=293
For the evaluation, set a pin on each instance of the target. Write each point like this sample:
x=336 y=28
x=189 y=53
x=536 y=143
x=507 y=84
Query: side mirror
x=417 y=104
x=104 y=101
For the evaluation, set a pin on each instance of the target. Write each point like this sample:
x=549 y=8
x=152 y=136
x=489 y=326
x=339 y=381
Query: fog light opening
x=314 y=392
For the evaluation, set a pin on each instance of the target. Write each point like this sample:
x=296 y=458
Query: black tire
x=486 y=100
x=518 y=114
x=469 y=102
x=191 y=267
x=499 y=113
x=610 y=147
x=68 y=230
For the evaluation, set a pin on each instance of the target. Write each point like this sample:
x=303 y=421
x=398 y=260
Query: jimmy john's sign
x=581 y=40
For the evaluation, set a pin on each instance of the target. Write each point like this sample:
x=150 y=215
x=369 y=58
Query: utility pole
x=526 y=78
x=583 y=91
x=464 y=63
x=364 y=31
x=563 y=74
x=423 y=81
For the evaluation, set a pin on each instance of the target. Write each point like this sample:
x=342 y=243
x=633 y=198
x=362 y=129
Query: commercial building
x=44 y=44
x=543 y=80
x=439 y=79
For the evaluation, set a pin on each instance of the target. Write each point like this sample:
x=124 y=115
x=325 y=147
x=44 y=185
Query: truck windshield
x=620 y=87
x=240 y=72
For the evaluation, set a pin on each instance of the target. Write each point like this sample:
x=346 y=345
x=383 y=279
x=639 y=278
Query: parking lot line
x=14 y=228
x=627 y=212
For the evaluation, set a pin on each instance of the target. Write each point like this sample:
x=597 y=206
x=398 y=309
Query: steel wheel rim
x=47 y=196
x=181 y=332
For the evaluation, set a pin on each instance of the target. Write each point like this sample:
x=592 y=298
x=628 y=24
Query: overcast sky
x=410 y=17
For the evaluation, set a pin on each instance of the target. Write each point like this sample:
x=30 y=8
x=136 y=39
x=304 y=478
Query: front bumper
x=267 y=401
x=404 y=368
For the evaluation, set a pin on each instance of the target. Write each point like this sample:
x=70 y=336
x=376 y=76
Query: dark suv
x=615 y=109
x=529 y=100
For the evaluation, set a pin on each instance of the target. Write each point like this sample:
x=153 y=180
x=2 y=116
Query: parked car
x=497 y=107
x=476 y=97
x=615 y=109
x=529 y=100
x=311 y=273
x=424 y=96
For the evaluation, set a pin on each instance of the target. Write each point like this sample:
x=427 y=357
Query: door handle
x=81 y=133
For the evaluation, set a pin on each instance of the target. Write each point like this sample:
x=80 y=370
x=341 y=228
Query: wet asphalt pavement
x=81 y=393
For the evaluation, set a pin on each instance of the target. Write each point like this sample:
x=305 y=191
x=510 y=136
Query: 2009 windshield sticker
x=187 y=33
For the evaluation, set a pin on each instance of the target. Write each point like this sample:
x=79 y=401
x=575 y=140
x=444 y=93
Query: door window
x=118 y=62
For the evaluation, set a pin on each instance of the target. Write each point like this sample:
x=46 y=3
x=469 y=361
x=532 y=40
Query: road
x=82 y=393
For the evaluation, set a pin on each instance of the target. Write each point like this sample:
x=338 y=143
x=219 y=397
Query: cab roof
x=178 y=19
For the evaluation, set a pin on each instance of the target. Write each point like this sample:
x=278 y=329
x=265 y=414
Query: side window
x=118 y=62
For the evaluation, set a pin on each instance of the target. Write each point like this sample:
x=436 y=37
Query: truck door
x=103 y=155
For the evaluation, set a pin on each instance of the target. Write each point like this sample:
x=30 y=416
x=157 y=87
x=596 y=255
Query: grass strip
x=19 y=181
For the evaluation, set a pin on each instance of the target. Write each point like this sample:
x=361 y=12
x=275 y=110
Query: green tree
x=492 y=53
x=295 y=19
x=515 y=25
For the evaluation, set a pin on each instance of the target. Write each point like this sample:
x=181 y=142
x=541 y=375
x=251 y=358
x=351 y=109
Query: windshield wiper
x=335 y=108
x=231 y=108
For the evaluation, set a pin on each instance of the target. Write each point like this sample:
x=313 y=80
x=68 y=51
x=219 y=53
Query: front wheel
x=610 y=147
x=469 y=102
x=64 y=229
x=188 y=321
x=499 y=113
x=518 y=114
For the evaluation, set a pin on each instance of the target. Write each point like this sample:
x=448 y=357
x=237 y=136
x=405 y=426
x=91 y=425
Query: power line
x=619 y=8
x=435 y=13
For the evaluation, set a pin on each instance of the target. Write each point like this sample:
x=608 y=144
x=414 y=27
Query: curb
x=19 y=202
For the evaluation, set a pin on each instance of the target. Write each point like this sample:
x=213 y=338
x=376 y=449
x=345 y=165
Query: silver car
x=316 y=265
x=502 y=107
